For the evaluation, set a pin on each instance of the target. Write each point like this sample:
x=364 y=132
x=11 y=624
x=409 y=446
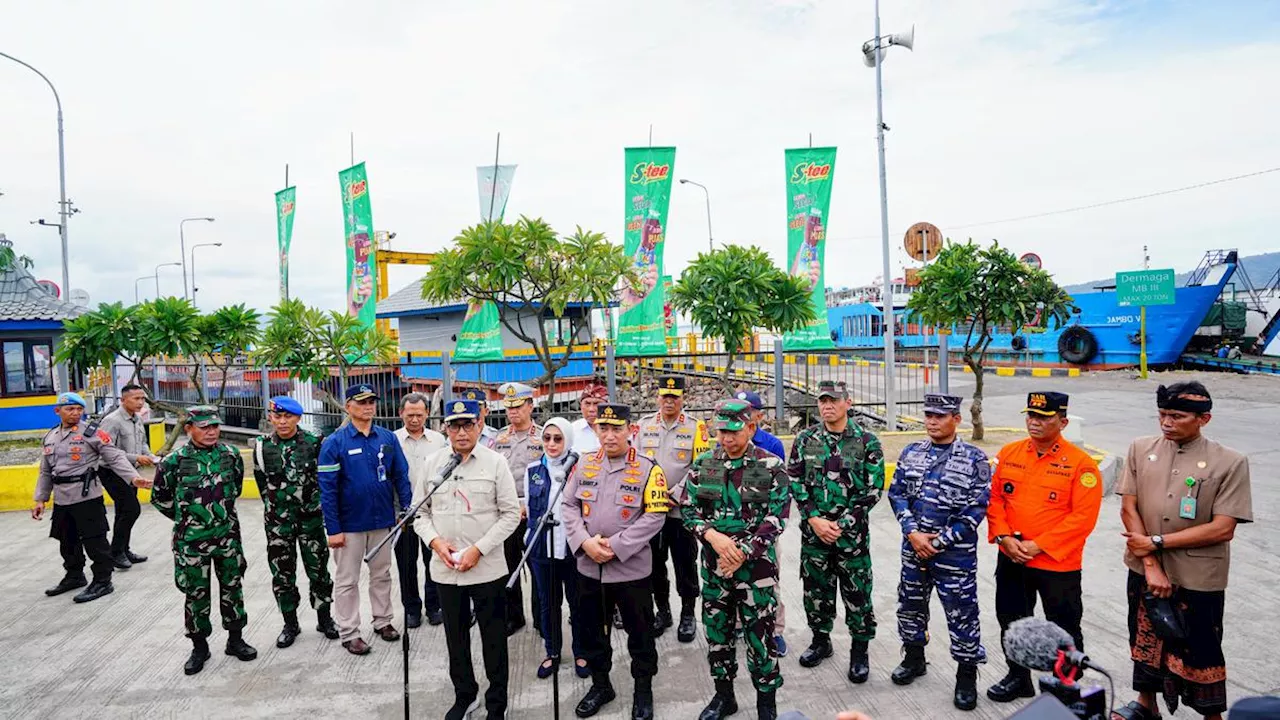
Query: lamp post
x=137 y=298
x=196 y=288
x=182 y=240
x=873 y=52
x=157 y=275
x=705 y=191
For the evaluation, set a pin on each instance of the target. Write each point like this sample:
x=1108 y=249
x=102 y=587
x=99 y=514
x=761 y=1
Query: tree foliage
x=10 y=259
x=734 y=290
x=980 y=291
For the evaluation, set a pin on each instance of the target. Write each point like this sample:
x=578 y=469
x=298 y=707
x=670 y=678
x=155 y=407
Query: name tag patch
x=355 y=451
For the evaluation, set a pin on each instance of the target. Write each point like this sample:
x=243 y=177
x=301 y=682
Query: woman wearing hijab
x=543 y=480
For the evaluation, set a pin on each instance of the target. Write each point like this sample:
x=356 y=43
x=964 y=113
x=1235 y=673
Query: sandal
x=580 y=667
x=548 y=666
x=1134 y=711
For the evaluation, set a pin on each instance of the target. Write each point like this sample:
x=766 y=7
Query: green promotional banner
x=480 y=337
x=809 y=175
x=649 y=172
x=668 y=313
x=362 y=276
x=284 y=234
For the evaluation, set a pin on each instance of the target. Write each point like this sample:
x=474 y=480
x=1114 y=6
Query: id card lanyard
x=1187 y=507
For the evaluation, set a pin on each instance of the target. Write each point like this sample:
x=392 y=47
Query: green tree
x=312 y=344
x=980 y=291
x=524 y=265
x=9 y=259
x=734 y=290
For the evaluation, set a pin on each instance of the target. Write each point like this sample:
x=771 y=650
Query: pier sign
x=1145 y=287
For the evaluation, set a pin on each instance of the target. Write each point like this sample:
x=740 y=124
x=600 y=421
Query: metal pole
x=157 y=279
x=944 y=365
x=446 y=377
x=779 y=387
x=890 y=402
x=182 y=241
x=710 y=242
x=611 y=371
x=263 y=423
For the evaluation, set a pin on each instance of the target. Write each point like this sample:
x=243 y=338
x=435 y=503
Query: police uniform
x=623 y=500
x=196 y=487
x=285 y=472
x=941 y=490
x=69 y=466
x=1050 y=498
x=519 y=448
x=674 y=446
x=743 y=498
x=837 y=477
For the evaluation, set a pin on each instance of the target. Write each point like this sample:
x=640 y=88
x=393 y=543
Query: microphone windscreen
x=1033 y=643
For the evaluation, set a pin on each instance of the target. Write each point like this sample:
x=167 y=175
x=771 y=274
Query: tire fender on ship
x=1077 y=345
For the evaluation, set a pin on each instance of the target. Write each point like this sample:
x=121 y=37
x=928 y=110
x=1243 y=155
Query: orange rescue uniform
x=1052 y=499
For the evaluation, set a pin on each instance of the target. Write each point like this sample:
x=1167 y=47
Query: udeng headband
x=1166 y=400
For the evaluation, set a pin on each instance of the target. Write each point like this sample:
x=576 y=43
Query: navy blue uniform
x=364 y=480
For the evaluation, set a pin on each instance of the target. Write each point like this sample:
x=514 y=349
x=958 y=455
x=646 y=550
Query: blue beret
x=285 y=404
x=69 y=398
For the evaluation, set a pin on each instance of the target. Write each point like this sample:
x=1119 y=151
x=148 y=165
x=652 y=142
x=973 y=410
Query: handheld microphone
x=1035 y=643
x=454 y=461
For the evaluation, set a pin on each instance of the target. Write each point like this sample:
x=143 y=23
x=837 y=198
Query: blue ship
x=1100 y=335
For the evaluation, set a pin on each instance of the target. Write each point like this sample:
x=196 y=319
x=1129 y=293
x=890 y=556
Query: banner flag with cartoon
x=668 y=313
x=284 y=234
x=480 y=337
x=357 y=215
x=641 y=326
x=809 y=175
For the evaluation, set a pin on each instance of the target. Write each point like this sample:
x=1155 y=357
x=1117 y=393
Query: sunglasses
x=462 y=425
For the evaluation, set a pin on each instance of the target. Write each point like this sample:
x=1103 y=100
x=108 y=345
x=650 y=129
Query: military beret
x=285 y=404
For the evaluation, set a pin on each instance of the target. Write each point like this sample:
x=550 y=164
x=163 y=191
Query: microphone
x=454 y=461
x=1035 y=643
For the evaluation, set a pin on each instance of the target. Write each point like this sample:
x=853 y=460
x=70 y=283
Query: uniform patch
x=48 y=449
x=626 y=513
x=328 y=468
x=586 y=495
x=628 y=499
x=586 y=511
x=1008 y=488
x=588 y=473
x=1053 y=495
x=682 y=455
x=103 y=437
x=1089 y=480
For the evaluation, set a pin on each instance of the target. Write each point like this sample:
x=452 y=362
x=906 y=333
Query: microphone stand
x=546 y=527
x=392 y=537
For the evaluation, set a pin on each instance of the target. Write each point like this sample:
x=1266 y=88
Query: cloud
x=1002 y=109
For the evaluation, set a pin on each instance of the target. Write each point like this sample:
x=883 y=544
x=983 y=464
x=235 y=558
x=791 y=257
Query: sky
x=1004 y=108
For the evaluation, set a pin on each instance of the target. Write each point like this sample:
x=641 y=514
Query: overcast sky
x=1005 y=108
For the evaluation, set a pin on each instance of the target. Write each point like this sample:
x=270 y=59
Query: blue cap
x=752 y=398
x=285 y=404
x=939 y=404
x=462 y=410
x=361 y=392
x=471 y=394
x=69 y=398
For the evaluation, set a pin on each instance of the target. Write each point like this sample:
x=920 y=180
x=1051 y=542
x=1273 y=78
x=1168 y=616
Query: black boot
x=600 y=694
x=662 y=620
x=967 y=686
x=766 y=705
x=859 y=663
x=911 y=667
x=819 y=650
x=290 y=632
x=723 y=703
x=69 y=582
x=642 y=699
x=199 y=654
x=325 y=624
x=687 y=628
x=238 y=648
x=96 y=589
x=1017 y=684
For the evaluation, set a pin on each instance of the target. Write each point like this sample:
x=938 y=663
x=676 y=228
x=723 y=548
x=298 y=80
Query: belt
x=86 y=479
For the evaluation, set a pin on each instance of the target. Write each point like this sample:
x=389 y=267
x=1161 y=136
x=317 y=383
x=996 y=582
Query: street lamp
x=683 y=181
x=136 y=298
x=196 y=288
x=157 y=275
x=183 y=246
x=873 y=52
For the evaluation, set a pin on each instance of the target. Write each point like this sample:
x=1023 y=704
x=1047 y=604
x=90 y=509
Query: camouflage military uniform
x=743 y=499
x=837 y=477
x=285 y=471
x=197 y=488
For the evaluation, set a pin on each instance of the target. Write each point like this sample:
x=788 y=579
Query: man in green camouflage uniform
x=838 y=475
x=733 y=502
x=196 y=486
x=284 y=466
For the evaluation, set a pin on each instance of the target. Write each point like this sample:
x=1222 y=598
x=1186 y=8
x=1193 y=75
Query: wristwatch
x=1158 y=541
x=1000 y=539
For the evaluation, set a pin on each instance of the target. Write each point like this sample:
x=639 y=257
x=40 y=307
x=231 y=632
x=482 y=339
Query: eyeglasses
x=461 y=425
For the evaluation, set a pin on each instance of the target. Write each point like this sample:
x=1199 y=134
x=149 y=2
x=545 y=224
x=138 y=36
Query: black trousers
x=491 y=615
x=81 y=529
x=682 y=546
x=1017 y=587
x=634 y=600
x=513 y=549
x=125 y=496
x=408 y=546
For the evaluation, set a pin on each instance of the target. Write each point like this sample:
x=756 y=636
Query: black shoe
x=435 y=617
x=326 y=625
x=687 y=627
x=288 y=635
x=515 y=626
x=966 y=697
x=642 y=705
x=241 y=650
x=462 y=708
x=96 y=589
x=661 y=621
x=1017 y=684
x=195 y=663
x=121 y=561
x=597 y=697
x=859 y=664
x=413 y=619
x=67 y=584
x=912 y=666
x=134 y=557
x=766 y=705
x=723 y=703
x=819 y=650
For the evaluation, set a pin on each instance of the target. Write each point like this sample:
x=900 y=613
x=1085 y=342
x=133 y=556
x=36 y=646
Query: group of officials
x=625 y=495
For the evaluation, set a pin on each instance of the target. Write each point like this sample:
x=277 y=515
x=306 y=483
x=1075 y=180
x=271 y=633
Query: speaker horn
x=906 y=40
